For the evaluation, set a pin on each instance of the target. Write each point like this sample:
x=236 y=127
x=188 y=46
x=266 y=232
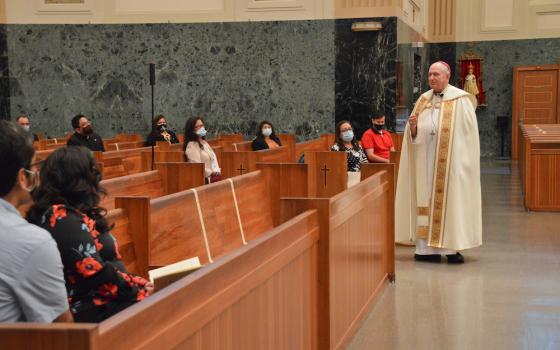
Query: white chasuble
x=438 y=188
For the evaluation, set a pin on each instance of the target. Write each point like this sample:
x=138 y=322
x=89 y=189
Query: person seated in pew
x=345 y=141
x=266 y=138
x=84 y=135
x=24 y=121
x=31 y=277
x=198 y=150
x=378 y=142
x=160 y=132
x=67 y=205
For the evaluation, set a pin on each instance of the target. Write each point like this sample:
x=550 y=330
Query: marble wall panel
x=231 y=74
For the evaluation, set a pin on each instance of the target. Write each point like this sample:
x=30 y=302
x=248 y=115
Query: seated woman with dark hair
x=345 y=141
x=197 y=150
x=67 y=205
x=160 y=132
x=266 y=138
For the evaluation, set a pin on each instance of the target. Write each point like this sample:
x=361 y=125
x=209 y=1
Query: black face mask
x=162 y=127
x=88 y=130
x=378 y=127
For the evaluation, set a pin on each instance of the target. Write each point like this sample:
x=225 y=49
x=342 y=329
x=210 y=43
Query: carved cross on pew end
x=241 y=169
x=324 y=169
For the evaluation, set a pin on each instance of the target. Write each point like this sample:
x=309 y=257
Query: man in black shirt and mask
x=84 y=135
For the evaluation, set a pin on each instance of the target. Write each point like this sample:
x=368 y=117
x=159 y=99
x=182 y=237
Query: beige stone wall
x=162 y=11
x=481 y=20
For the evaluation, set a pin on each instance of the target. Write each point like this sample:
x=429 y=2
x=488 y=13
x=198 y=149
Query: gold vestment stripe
x=423 y=211
x=440 y=174
x=422 y=232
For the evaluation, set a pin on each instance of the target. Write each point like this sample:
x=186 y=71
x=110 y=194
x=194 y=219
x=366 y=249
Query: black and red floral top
x=97 y=281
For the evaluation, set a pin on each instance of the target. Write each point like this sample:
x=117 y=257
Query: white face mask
x=32 y=177
x=267 y=131
x=201 y=132
x=347 y=135
x=26 y=127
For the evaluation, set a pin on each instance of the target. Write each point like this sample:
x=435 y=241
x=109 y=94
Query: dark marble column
x=365 y=72
x=4 y=75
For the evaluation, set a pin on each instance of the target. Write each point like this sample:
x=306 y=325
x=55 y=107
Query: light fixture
x=366 y=26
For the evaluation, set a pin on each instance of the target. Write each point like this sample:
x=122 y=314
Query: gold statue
x=470 y=81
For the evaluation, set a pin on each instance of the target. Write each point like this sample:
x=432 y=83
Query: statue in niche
x=470 y=81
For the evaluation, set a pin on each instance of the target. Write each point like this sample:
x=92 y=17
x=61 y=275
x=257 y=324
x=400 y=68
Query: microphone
x=152 y=74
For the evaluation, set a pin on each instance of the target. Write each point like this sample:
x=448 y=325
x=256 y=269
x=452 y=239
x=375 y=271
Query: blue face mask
x=348 y=135
x=201 y=132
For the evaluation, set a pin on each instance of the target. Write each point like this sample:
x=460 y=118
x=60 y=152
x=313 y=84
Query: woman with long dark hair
x=266 y=137
x=67 y=205
x=160 y=132
x=345 y=141
x=197 y=150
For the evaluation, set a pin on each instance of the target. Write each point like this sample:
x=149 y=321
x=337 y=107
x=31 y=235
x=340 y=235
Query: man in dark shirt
x=84 y=135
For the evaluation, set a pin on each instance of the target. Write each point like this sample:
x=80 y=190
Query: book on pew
x=164 y=276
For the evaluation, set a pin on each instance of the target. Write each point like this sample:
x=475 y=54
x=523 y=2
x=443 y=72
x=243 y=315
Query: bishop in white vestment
x=438 y=204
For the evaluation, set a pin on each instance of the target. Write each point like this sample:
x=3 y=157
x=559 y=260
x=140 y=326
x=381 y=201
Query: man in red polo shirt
x=377 y=142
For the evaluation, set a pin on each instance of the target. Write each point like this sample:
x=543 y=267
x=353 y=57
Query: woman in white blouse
x=198 y=150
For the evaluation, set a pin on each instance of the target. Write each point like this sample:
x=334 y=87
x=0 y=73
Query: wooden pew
x=284 y=180
x=118 y=146
x=270 y=282
x=289 y=141
x=166 y=146
x=356 y=253
x=226 y=141
x=167 y=178
x=239 y=163
x=245 y=146
x=180 y=228
x=323 y=290
x=129 y=137
x=322 y=144
x=539 y=156
x=397 y=141
x=49 y=144
x=327 y=173
x=123 y=162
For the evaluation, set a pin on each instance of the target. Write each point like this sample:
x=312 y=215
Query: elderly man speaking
x=438 y=204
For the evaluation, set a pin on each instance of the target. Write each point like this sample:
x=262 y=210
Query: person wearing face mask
x=265 y=138
x=345 y=141
x=66 y=204
x=197 y=150
x=377 y=141
x=160 y=132
x=25 y=123
x=84 y=135
x=31 y=272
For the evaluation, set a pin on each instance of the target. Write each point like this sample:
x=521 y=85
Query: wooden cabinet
x=535 y=99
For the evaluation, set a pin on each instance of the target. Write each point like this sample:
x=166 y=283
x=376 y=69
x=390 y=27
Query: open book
x=164 y=276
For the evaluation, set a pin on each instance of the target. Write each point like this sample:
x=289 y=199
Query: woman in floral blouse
x=345 y=141
x=66 y=205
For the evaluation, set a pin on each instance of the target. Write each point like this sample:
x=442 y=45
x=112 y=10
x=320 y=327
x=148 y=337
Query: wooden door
x=535 y=99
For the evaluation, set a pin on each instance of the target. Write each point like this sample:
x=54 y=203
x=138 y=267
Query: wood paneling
x=283 y=180
x=327 y=173
x=535 y=98
x=356 y=253
x=539 y=166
